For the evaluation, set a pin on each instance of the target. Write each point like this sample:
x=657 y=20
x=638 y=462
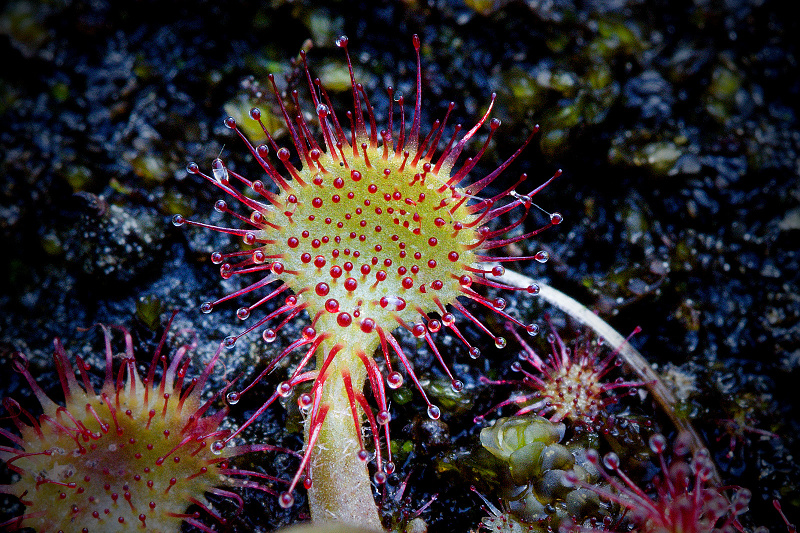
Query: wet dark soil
x=675 y=123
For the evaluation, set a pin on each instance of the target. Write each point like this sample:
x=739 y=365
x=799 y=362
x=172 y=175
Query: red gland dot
x=439 y=222
x=372 y=189
x=336 y=272
x=319 y=261
x=365 y=269
x=380 y=275
x=322 y=289
x=317 y=202
x=433 y=241
x=277 y=268
x=437 y=285
x=305 y=258
x=465 y=280
x=453 y=256
x=293 y=242
x=350 y=284
x=367 y=325
x=344 y=319
x=407 y=283
x=332 y=305
x=431 y=263
x=356 y=175
x=338 y=183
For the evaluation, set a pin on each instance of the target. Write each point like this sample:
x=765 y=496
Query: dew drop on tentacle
x=232 y=398
x=219 y=171
x=269 y=335
x=383 y=417
x=305 y=400
x=229 y=341
x=434 y=412
x=286 y=500
x=394 y=380
x=541 y=256
x=217 y=447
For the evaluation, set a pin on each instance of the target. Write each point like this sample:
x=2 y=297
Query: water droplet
x=220 y=173
x=658 y=443
x=233 y=398
x=474 y=352
x=542 y=256
x=285 y=389
x=380 y=478
x=178 y=220
x=217 y=447
x=229 y=342
x=611 y=461
x=322 y=110
x=556 y=218
x=363 y=455
x=500 y=342
x=220 y=206
x=499 y=304
x=533 y=289
x=269 y=335
x=389 y=467
x=305 y=400
x=394 y=380
x=207 y=307
x=448 y=319
x=457 y=385
x=433 y=412
x=286 y=500
x=383 y=417
x=532 y=329
x=242 y=313
x=569 y=479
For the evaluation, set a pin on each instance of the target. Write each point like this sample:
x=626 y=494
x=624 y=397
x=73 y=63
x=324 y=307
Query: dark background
x=675 y=124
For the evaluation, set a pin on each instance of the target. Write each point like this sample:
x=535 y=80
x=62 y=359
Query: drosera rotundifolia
x=571 y=382
x=134 y=455
x=377 y=231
